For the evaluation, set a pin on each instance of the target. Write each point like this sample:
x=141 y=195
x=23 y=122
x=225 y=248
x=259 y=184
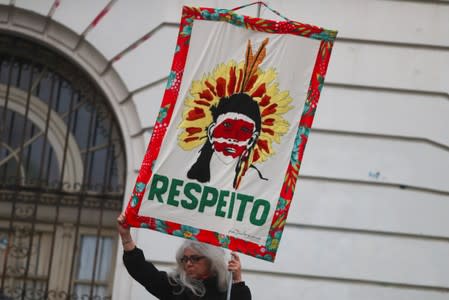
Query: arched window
x=62 y=174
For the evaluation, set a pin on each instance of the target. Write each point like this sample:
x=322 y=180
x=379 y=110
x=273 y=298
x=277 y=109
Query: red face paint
x=231 y=136
x=234 y=129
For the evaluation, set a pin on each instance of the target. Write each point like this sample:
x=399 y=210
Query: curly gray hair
x=218 y=268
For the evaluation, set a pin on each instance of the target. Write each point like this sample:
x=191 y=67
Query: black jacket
x=156 y=282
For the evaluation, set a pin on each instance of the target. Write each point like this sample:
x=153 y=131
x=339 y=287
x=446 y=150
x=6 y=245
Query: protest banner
x=224 y=157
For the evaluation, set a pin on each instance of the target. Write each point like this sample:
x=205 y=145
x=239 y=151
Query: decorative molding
x=109 y=82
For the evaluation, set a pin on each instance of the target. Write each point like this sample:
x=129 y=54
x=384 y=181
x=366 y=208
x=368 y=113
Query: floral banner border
x=189 y=15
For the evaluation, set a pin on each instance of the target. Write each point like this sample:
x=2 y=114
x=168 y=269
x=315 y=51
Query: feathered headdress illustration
x=229 y=79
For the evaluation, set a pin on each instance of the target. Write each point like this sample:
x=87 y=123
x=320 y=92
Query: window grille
x=62 y=174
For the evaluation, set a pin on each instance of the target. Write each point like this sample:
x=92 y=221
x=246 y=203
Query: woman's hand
x=235 y=267
x=125 y=233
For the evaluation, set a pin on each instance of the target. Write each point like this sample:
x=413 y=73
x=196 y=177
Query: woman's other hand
x=235 y=267
x=125 y=233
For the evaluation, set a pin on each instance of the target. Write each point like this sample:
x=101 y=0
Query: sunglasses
x=193 y=259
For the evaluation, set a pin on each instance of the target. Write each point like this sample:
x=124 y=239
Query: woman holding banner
x=200 y=273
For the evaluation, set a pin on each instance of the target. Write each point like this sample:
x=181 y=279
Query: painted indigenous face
x=195 y=265
x=231 y=135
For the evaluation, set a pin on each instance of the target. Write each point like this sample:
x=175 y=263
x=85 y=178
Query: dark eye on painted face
x=246 y=129
x=237 y=129
x=232 y=136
